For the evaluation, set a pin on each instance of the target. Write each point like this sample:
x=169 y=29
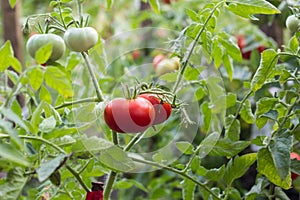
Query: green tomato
x=81 y=39
x=37 y=41
x=292 y=23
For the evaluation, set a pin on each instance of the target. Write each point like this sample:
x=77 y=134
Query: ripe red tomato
x=167 y=1
x=94 y=195
x=157 y=59
x=241 y=40
x=162 y=110
x=136 y=54
x=129 y=115
x=294 y=155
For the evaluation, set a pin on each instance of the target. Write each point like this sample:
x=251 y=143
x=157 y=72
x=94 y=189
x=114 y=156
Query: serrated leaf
x=46 y=169
x=188 y=189
x=92 y=144
x=269 y=58
x=116 y=159
x=14 y=184
x=185 y=147
x=58 y=80
x=238 y=166
x=208 y=144
x=155 y=6
x=47 y=124
x=226 y=147
x=231 y=48
x=36 y=77
x=246 y=112
x=11 y=154
x=279 y=147
x=232 y=128
x=266 y=167
x=215 y=174
x=43 y=54
x=247 y=8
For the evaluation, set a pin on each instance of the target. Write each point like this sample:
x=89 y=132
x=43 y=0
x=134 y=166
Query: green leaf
x=59 y=80
x=232 y=128
x=257 y=189
x=226 y=147
x=36 y=77
x=43 y=54
x=128 y=183
x=280 y=147
x=269 y=58
x=228 y=66
x=215 y=174
x=208 y=144
x=109 y=4
x=233 y=193
x=46 y=169
x=36 y=117
x=231 y=48
x=12 y=3
x=246 y=112
x=266 y=167
x=14 y=184
x=264 y=105
x=295 y=166
x=206 y=111
x=217 y=53
x=45 y=95
x=247 y=8
x=13 y=76
x=116 y=159
x=230 y=100
x=238 y=166
x=185 y=147
x=72 y=61
x=188 y=189
x=155 y=6
x=9 y=114
x=9 y=153
x=60 y=132
x=47 y=125
x=192 y=14
x=7 y=58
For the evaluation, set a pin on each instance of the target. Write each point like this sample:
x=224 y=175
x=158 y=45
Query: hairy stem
x=78 y=177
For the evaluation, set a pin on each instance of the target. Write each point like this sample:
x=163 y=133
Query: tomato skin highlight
x=36 y=41
x=81 y=39
x=162 y=110
x=129 y=116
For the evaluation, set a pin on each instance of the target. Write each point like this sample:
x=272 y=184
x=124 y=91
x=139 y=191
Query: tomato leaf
x=116 y=159
x=232 y=128
x=36 y=77
x=14 y=184
x=279 y=148
x=215 y=174
x=59 y=80
x=246 y=112
x=188 y=189
x=155 y=6
x=45 y=95
x=12 y=3
x=238 y=166
x=11 y=154
x=247 y=8
x=229 y=148
x=7 y=58
x=269 y=58
x=47 y=125
x=46 y=169
x=266 y=167
x=208 y=144
x=109 y=4
x=185 y=147
x=43 y=54
x=206 y=111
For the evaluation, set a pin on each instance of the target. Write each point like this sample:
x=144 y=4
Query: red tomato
x=129 y=115
x=167 y=1
x=94 y=195
x=294 y=155
x=162 y=110
x=136 y=54
x=260 y=48
x=157 y=59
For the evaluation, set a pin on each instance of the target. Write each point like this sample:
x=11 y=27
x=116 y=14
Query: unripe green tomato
x=36 y=41
x=292 y=23
x=167 y=66
x=81 y=39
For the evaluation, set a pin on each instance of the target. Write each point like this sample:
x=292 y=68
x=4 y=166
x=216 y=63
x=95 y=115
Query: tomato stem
x=86 y=100
x=93 y=76
x=108 y=187
x=193 y=45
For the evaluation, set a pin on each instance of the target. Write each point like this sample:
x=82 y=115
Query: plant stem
x=93 y=76
x=108 y=186
x=183 y=174
x=187 y=58
x=135 y=140
x=86 y=100
x=115 y=137
x=79 y=179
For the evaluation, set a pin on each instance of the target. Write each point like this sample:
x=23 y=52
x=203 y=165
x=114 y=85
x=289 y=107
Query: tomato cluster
x=163 y=65
x=136 y=115
x=242 y=43
x=76 y=39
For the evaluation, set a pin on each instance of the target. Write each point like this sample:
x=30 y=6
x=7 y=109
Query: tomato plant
x=292 y=23
x=81 y=39
x=129 y=116
x=216 y=115
x=37 y=41
x=162 y=109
